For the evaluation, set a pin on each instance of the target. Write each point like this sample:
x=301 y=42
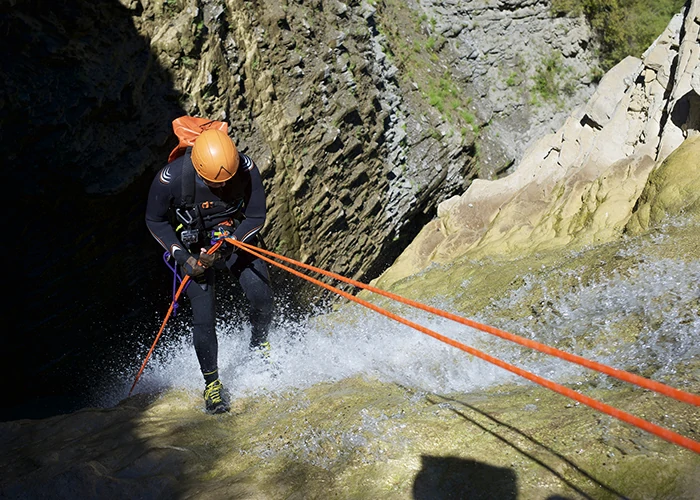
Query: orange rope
x=661 y=432
x=678 y=394
x=183 y=283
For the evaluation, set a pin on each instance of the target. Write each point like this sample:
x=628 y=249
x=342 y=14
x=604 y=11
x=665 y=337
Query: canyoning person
x=209 y=192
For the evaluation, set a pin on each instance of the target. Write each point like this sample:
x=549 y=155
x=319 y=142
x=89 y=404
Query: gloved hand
x=192 y=268
x=208 y=260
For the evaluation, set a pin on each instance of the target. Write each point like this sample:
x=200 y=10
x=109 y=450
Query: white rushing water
x=663 y=296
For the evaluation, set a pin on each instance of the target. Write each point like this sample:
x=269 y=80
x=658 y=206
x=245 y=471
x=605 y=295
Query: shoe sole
x=218 y=409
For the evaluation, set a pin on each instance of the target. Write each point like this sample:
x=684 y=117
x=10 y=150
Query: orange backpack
x=188 y=128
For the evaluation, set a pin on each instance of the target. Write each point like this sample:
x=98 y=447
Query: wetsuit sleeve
x=255 y=207
x=159 y=200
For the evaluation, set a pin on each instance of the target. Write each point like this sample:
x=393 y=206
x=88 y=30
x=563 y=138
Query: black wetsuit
x=242 y=201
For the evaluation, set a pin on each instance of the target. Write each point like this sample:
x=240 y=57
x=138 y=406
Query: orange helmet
x=214 y=156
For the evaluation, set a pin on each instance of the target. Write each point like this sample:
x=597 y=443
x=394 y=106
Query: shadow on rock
x=148 y=446
x=686 y=111
x=529 y=447
x=453 y=477
x=93 y=454
x=86 y=120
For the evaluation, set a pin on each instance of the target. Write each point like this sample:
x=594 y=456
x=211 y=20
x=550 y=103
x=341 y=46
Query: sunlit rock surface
x=357 y=406
x=358 y=438
x=580 y=184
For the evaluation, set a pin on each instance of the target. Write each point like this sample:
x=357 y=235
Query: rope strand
x=652 y=428
x=173 y=306
x=594 y=365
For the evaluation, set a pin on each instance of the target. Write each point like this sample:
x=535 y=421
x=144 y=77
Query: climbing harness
x=189 y=218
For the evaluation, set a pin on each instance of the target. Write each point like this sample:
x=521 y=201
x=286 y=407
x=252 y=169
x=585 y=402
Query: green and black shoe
x=216 y=397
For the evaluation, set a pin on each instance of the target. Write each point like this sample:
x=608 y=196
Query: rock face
x=362 y=116
x=581 y=184
x=524 y=68
x=356 y=146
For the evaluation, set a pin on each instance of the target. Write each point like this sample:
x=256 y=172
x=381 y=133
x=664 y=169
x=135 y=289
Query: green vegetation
x=551 y=81
x=413 y=45
x=624 y=27
x=188 y=62
x=514 y=79
x=171 y=6
x=199 y=28
x=443 y=91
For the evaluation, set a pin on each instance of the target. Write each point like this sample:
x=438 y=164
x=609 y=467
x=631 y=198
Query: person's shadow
x=454 y=478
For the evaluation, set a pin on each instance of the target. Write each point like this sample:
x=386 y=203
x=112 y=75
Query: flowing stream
x=661 y=297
